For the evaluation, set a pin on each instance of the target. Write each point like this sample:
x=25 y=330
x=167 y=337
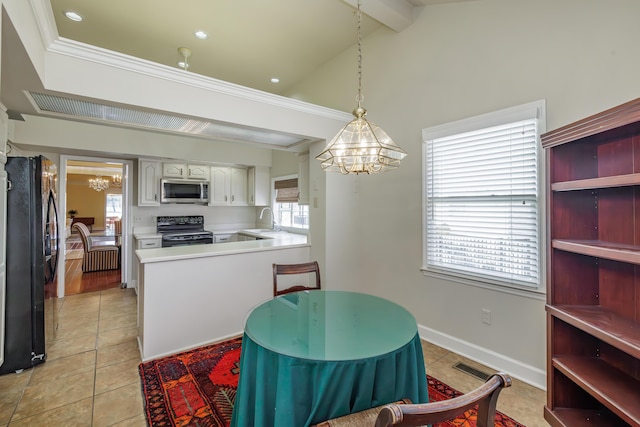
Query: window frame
x=298 y=230
x=536 y=109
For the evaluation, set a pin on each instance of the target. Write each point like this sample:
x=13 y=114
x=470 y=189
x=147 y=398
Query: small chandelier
x=360 y=146
x=117 y=181
x=98 y=183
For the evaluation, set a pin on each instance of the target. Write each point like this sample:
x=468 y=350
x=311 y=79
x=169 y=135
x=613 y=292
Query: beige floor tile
x=116 y=322
x=117 y=336
x=116 y=294
x=72 y=317
x=63 y=367
x=11 y=388
x=54 y=394
x=432 y=352
x=118 y=353
x=9 y=399
x=74 y=329
x=86 y=298
x=67 y=347
x=79 y=307
x=117 y=311
x=117 y=405
x=117 y=375
x=15 y=381
x=74 y=414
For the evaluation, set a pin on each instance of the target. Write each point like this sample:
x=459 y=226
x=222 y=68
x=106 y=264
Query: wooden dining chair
x=484 y=397
x=306 y=269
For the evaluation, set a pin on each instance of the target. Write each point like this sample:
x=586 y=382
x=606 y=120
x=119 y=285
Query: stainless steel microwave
x=184 y=191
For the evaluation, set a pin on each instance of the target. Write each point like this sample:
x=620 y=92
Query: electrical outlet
x=486 y=316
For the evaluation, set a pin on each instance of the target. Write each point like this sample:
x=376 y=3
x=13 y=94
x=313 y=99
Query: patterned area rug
x=198 y=388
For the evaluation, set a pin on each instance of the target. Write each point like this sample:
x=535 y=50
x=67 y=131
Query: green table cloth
x=316 y=355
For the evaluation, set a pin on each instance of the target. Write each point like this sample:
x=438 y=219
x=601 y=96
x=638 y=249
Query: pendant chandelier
x=98 y=183
x=117 y=181
x=360 y=146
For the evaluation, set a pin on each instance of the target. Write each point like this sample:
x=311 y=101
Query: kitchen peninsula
x=193 y=295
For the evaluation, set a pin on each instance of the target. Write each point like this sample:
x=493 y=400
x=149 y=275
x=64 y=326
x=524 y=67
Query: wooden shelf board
x=595 y=183
x=595 y=320
x=570 y=417
x=615 y=390
x=600 y=249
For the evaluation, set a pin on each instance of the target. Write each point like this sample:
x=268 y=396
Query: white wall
x=459 y=60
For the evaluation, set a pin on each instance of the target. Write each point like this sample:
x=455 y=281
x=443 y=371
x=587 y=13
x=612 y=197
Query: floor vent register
x=472 y=371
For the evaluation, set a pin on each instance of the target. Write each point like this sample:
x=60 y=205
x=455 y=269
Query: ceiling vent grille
x=164 y=122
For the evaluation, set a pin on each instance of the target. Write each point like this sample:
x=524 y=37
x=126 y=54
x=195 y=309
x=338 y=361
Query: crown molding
x=55 y=44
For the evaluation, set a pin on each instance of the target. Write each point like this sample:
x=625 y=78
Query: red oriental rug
x=198 y=388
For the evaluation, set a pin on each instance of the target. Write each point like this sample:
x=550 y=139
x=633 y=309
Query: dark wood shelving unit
x=593 y=278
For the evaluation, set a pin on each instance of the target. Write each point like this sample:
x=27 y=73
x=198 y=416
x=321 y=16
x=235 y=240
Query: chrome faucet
x=274 y=226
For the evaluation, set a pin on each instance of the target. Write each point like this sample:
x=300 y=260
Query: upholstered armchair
x=97 y=257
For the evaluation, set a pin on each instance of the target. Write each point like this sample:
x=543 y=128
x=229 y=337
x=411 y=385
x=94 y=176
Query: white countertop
x=269 y=241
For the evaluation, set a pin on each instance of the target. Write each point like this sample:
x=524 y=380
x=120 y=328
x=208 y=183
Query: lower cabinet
x=149 y=242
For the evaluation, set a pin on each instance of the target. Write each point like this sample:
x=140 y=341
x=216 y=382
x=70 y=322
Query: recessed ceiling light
x=74 y=16
x=201 y=35
x=275 y=80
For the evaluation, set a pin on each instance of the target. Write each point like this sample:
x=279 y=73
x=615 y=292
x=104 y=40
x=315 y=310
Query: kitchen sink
x=258 y=230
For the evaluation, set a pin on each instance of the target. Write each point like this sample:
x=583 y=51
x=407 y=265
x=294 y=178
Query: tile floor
x=91 y=378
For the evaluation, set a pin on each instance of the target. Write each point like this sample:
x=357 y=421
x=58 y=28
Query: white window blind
x=481 y=213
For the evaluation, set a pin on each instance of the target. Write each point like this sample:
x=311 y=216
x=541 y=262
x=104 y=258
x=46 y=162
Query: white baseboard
x=524 y=372
x=180 y=350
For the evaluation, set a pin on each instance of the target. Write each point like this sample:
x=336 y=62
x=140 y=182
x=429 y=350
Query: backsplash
x=215 y=218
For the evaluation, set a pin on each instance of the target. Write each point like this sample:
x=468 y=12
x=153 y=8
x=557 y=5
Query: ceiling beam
x=395 y=14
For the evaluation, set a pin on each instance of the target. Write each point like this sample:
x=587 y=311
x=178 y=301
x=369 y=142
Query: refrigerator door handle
x=52 y=235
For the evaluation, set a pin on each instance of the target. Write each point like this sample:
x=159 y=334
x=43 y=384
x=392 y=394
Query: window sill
x=533 y=293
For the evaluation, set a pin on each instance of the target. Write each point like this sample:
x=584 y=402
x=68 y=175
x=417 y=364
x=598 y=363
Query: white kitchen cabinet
x=225 y=238
x=238 y=187
x=258 y=185
x=184 y=170
x=149 y=182
x=228 y=186
x=198 y=172
x=174 y=170
x=303 y=179
x=148 y=242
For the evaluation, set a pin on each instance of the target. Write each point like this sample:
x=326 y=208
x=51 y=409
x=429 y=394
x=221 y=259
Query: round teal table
x=315 y=355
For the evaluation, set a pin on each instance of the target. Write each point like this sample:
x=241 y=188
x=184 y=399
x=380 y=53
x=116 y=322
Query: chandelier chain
x=359 y=98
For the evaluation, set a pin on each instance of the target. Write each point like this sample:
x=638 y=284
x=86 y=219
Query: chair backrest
x=117 y=226
x=303 y=268
x=485 y=396
x=84 y=234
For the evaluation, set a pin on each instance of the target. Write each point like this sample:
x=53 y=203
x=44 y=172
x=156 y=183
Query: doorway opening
x=94 y=192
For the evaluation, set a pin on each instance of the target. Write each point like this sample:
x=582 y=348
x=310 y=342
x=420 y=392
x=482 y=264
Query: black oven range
x=183 y=230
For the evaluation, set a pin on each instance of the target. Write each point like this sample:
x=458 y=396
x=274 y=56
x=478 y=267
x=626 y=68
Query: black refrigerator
x=32 y=258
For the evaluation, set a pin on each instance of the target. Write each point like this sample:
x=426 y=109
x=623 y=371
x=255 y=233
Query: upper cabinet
x=593 y=279
x=228 y=186
x=303 y=179
x=259 y=192
x=184 y=170
x=149 y=173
